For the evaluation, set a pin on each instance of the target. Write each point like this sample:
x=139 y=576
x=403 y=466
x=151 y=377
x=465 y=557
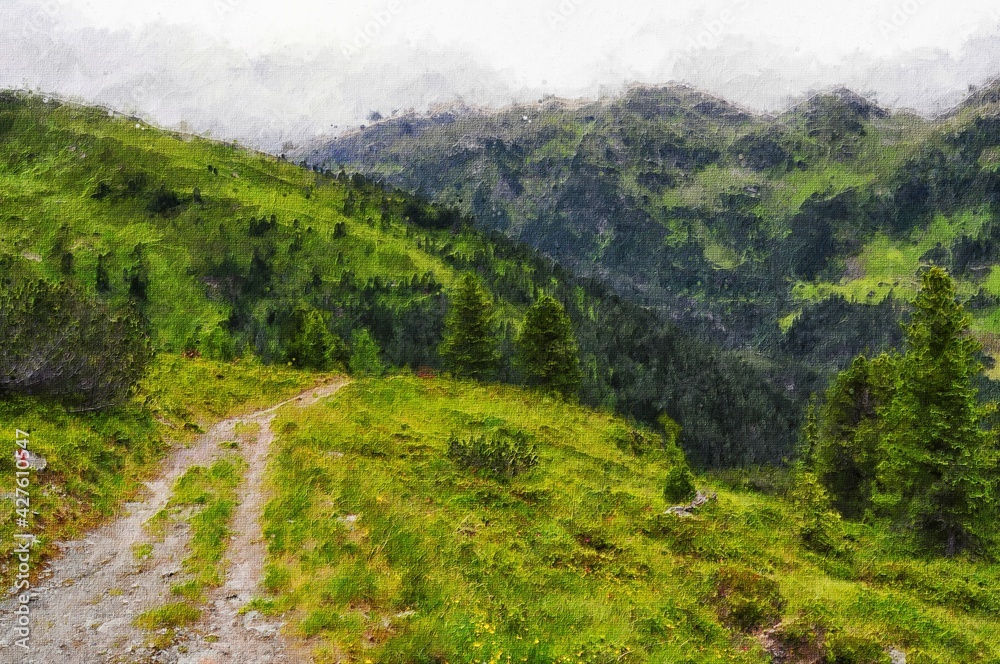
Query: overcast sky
x=268 y=71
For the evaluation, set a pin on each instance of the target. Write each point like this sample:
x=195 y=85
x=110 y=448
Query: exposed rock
x=688 y=510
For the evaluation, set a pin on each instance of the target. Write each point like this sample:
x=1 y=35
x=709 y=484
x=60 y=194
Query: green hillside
x=230 y=253
x=419 y=518
x=386 y=548
x=738 y=224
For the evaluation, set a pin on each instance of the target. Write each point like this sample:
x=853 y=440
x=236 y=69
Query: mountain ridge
x=686 y=203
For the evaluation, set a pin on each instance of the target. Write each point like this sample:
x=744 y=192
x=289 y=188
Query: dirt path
x=84 y=607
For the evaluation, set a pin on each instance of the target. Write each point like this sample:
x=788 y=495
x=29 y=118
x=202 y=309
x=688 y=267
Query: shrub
x=501 y=454
x=847 y=649
x=218 y=344
x=310 y=343
x=365 y=355
x=163 y=201
x=57 y=342
x=679 y=485
x=746 y=600
x=819 y=526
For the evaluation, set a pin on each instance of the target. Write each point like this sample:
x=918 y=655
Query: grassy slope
x=54 y=157
x=572 y=562
x=97 y=461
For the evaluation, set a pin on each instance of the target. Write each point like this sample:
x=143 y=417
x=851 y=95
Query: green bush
x=847 y=649
x=746 y=600
x=309 y=342
x=679 y=485
x=365 y=355
x=819 y=526
x=501 y=454
x=58 y=342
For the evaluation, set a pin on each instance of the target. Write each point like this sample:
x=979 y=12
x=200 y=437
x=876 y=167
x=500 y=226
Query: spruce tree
x=469 y=348
x=310 y=343
x=846 y=450
x=547 y=348
x=938 y=471
x=365 y=355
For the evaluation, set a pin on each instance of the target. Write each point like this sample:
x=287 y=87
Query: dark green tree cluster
x=546 y=349
x=57 y=342
x=310 y=343
x=905 y=437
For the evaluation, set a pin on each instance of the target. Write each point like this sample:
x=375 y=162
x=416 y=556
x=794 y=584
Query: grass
x=168 y=616
x=381 y=548
x=194 y=391
x=210 y=495
x=142 y=551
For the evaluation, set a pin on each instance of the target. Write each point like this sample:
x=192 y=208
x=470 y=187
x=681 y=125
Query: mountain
x=228 y=253
x=758 y=231
x=418 y=518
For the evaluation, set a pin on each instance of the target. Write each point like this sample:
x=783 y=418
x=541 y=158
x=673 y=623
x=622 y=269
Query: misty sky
x=267 y=72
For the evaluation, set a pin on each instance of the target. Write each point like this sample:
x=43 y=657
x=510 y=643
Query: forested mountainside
x=226 y=252
x=799 y=235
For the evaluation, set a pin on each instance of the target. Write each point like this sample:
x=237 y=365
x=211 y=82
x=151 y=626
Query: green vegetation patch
x=168 y=616
x=211 y=492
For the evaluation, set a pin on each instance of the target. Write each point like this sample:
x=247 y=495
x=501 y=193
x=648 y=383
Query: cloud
x=238 y=70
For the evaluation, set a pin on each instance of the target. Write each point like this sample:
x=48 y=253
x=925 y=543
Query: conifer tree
x=365 y=355
x=846 y=449
x=547 y=348
x=469 y=348
x=938 y=470
x=310 y=343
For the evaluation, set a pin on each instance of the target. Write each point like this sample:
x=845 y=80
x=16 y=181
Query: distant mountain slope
x=228 y=252
x=737 y=224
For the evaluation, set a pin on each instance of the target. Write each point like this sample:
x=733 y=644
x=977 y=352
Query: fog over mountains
x=267 y=73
